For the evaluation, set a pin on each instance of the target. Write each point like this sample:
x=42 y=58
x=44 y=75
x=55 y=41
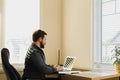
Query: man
x=35 y=66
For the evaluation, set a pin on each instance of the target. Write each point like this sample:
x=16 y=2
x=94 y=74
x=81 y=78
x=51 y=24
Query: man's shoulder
x=34 y=51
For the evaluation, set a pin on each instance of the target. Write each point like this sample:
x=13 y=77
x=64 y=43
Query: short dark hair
x=37 y=34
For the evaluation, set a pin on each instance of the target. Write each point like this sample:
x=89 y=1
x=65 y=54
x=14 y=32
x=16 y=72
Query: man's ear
x=40 y=39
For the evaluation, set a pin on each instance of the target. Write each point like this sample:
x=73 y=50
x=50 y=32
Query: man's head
x=39 y=37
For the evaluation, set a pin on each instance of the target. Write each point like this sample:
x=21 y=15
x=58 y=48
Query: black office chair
x=10 y=71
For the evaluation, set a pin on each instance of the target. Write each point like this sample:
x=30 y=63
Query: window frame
x=98 y=38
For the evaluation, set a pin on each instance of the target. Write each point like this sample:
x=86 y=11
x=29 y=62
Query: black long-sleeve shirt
x=35 y=66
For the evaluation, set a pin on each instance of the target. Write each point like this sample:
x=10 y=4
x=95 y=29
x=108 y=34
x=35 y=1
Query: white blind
x=107 y=29
x=21 y=18
x=110 y=28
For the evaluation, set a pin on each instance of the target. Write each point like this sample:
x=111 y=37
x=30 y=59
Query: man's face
x=43 y=42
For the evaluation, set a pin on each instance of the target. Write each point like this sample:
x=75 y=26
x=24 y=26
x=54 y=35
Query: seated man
x=35 y=66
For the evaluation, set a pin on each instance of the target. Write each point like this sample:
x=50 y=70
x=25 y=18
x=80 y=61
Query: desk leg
x=59 y=77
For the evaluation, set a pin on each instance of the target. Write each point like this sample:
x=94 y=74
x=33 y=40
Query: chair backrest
x=10 y=71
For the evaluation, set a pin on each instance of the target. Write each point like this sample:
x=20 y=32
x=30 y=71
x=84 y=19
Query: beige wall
x=51 y=23
x=68 y=24
x=77 y=31
x=0 y=22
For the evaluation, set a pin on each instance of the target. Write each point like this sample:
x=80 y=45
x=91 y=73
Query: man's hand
x=58 y=67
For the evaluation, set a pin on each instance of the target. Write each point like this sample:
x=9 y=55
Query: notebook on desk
x=68 y=65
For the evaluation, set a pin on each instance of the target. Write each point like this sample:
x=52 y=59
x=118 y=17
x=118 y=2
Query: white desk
x=90 y=75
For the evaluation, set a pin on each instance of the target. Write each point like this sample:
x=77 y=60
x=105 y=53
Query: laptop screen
x=68 y=63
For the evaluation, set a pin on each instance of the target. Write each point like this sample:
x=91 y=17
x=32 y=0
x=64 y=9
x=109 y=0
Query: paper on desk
x=69 y=72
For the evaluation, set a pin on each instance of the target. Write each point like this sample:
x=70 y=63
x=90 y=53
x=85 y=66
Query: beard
x=41 y=45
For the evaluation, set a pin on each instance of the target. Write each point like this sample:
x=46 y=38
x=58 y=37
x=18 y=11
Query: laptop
x=68 y=65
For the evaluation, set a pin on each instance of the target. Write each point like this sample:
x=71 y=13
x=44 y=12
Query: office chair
x=10 y=72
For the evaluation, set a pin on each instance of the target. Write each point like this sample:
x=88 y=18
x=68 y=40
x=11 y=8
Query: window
x=106 y=29
x=21 y=18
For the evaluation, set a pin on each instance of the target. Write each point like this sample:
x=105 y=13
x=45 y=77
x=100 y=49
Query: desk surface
x=92 y=75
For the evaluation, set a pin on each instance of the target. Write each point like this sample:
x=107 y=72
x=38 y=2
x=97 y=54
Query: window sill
x=104 y=67
x=103 y=70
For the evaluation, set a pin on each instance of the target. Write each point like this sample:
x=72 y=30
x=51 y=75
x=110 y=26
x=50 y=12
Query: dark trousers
x=33 y=79
x=52 y=79
x=44 y=79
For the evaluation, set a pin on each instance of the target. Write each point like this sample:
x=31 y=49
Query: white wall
x=51 y=23
x=77 y=31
